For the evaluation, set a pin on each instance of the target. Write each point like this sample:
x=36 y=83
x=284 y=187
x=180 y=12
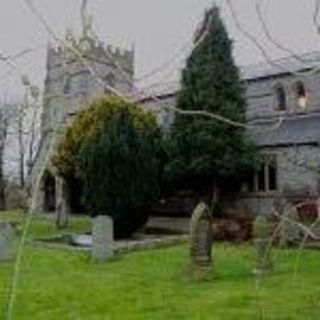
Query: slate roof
x=297 y=129
x=159 y=90
x=248 y=73
x=281 y=66
x=303 y=129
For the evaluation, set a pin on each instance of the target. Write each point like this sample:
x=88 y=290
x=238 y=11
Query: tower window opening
x=67 y=85
x=110 y=81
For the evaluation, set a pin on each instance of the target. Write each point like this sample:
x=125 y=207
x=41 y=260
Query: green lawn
x=153 y=285
x=44 y=226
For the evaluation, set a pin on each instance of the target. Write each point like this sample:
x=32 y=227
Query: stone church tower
x=71 y=82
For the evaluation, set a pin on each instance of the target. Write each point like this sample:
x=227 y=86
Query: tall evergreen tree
x=204 y=149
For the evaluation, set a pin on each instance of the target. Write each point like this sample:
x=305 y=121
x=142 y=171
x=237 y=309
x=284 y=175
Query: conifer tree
x=202 y=149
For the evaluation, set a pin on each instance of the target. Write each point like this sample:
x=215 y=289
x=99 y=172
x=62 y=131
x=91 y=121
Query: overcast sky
x=159 y=29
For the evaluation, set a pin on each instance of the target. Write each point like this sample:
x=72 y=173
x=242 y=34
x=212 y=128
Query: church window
x=272 y=173
x=301 y=95
x=67 y=85
x=261 y=178
x=110 y=80
x=281 y=98
x=266 y=177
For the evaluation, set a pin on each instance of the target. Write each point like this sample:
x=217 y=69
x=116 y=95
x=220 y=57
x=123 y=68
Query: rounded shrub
x=112 y=150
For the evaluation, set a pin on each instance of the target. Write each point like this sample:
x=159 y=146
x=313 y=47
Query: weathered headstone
x=263 y=245
x=102 y=239
x=290 y=234
x=316 y=229
x=6 y=242
x=201 y=241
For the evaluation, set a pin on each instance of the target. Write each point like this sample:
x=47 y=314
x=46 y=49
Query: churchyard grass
x=44 y=226
x=153 y=284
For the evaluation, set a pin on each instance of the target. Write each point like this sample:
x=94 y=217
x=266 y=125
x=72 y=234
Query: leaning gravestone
x=6 y=242
x=290 y=234
x=102 y=239
x=201 y=241
x=263 y=245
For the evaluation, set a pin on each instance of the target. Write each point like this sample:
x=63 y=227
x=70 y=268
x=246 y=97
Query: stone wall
x=297 y=176
x=297 y=161
x=298 y=169
x=69 y=86
x=261 y=97
x=161 y=108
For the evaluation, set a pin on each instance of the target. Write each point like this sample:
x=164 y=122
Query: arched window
x=266 y=178
x=110 y=80
x=67 y=85
x=281 y=98
x=301 y=94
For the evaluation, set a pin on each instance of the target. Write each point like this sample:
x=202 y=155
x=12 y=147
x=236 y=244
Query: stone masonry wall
x=262 y=101
x=297 y=176
x=69 y=86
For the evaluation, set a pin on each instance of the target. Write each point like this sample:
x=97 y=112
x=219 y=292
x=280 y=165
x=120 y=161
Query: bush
x=112 y=149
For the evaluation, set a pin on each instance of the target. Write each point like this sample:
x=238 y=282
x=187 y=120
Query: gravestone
x=102 y=239
x=263 y=245
x=290 y=232
x=316 y=229
x=201 y=241
x=6 y=242
x=62 y=203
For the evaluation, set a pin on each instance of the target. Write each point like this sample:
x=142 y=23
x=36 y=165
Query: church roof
x=254 y=72
x=281 y=66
